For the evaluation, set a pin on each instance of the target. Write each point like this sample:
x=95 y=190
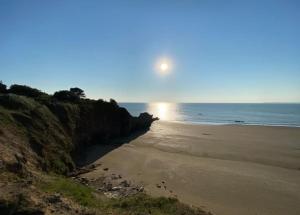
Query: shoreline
x=230 y=124
x=228 y=169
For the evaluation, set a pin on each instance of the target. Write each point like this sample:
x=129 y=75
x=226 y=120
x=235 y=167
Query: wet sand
x=224 y=169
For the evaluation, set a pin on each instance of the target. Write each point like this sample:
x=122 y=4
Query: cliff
x=47 y=133
x=41 y=136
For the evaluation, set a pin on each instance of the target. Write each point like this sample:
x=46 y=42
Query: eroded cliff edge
x=46 y=133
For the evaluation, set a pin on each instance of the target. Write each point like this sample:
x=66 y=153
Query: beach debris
x=141 y=189
x=111 y=185
x=83 y=170
x=124 y=183
x=108 y=186
x=114 y=177
x=116 y=188
x=82 y=180
x=158 y=186
x=163 y=182
x=111 y=195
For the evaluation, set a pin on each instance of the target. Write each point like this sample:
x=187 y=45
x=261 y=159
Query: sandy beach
x=226 y=169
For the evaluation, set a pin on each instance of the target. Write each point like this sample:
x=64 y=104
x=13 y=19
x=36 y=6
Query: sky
x=218 y=51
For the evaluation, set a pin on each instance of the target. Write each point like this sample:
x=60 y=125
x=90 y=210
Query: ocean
x=217 y=113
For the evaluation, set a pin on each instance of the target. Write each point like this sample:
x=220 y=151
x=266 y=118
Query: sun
x=164 y=66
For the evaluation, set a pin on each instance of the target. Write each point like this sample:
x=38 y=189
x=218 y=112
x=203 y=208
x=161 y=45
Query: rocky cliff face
x=45 y=133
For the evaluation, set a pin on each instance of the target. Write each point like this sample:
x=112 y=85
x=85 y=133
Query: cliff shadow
x=96 y=151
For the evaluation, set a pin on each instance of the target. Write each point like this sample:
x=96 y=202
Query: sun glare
x=164 y=110
x=164 y=66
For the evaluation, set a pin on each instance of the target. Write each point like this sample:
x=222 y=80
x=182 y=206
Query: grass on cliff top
x=69 y=188
x=40 y=129
x=134 y=205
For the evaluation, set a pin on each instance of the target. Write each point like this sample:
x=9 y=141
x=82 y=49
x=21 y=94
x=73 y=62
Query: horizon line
x=214 y=102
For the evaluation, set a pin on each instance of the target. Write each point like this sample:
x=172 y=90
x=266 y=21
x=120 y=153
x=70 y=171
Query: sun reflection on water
x=164 y=111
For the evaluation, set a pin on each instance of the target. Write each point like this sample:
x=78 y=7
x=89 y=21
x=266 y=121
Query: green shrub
x=25 y=90
x=65 y=95
x=131 y=205
x=44 y=99
x=2 y=88
x=78 y=92
x=145 y=204
x=76 y=191
x=16 y=102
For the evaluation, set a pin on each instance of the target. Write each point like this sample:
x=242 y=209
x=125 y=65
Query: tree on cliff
x=78 y=92
x=2 y=88
x=66 y=95
x=25 y=91
x=114 y=103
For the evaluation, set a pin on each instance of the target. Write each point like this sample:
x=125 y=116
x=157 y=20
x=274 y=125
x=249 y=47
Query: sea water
x=217 y=113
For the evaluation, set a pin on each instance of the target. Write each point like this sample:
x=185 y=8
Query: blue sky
x=221 y=51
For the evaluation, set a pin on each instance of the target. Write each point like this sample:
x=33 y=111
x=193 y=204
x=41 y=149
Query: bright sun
x=164 y=66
